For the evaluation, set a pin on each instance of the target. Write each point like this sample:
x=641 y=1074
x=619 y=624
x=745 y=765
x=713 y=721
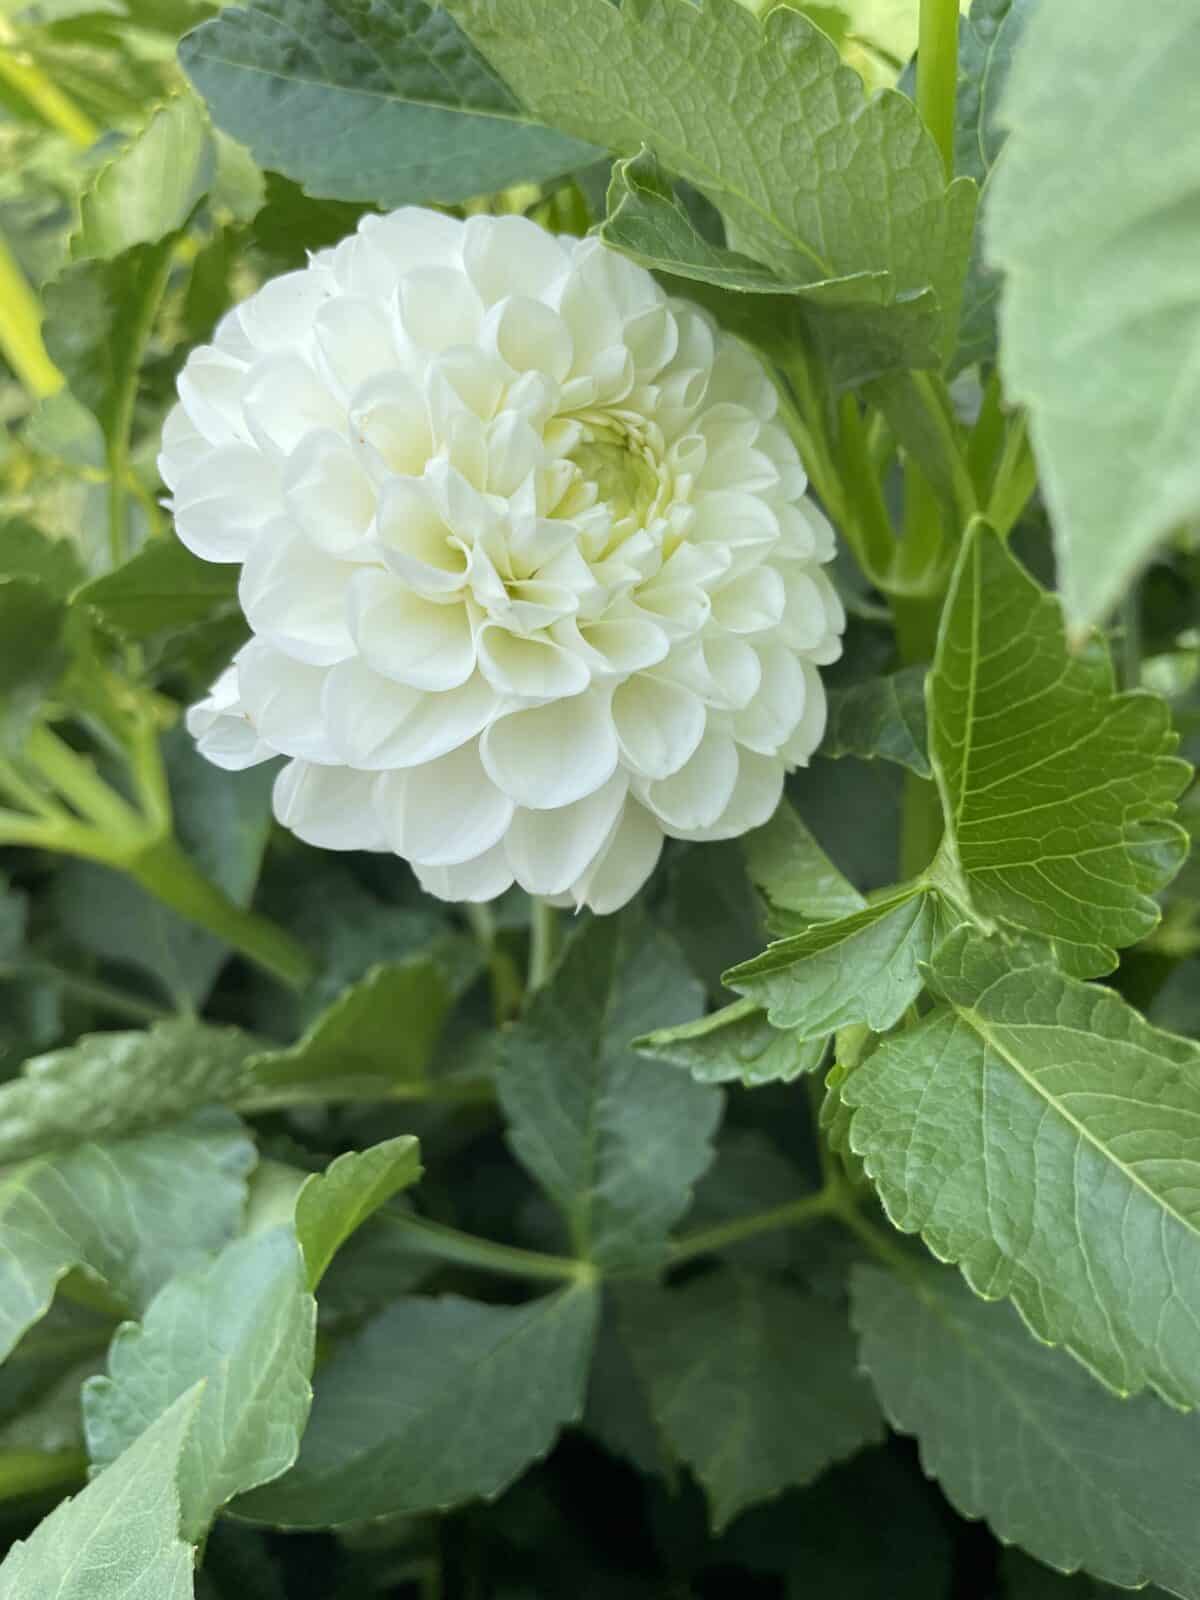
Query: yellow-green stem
x=543 y=942
x=19 y=71
x=21 y=330
x=937 y=73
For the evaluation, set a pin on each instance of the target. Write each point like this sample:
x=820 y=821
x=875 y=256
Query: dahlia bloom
x=529 y=565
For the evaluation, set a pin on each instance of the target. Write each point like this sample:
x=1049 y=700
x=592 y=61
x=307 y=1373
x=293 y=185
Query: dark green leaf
x=882 y=717
x=27 y=552
x=334 y=1203
x=615 y=1141
x=434 y=1403
x=1022 y=1436
x=32 y=654
x=163 y=587
x=734 y=1045
x=364 y=102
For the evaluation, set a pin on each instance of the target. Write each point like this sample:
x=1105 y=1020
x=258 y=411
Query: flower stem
x=795 y=1214
x=436 y=1240
x=937 y=73
x=543 y=942
x=21 y=330
x=21 y=73
x=505 y=978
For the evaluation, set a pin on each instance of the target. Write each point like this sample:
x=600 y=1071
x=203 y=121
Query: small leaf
x=333 y=1203
x=30 y=553
x=390 y=104
x=243 y=1326
x=132 y=1213
x=752 y=1384
x=118 y=1539
x=1058 y=792
x=1101 y=304
x=616 y=1142
x=734 y=1045
x=863 y=968
x=881 y=717
x=434 y=1403
x=162 y=587
x=789 y=866
x=1020 y=1435
x=32 y=654
x=1042 y=1135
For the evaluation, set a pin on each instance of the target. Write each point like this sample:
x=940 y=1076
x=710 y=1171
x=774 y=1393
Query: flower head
x=529 y=564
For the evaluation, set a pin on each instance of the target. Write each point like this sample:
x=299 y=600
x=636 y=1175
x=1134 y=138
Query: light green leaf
x=881 y=717
x=1020 y=1435
x=789 y=866
x=374 y=1043
x=243 y=1326
x=131 y=1214
x=734 y=1045
x=863 y=968
x=107 y=1084
x=390 y=104
x=434 y=1403
x=616 y=1142
x=1101 y=308
x=152 y=186
x=118 y=1539
x=752 y=1384
x=1058 y=792
x=1043 y=1136
x=164 y=586
x=333 y=1203
x=741 y=109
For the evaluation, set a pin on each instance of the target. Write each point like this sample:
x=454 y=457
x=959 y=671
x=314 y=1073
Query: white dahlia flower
x=531 y=573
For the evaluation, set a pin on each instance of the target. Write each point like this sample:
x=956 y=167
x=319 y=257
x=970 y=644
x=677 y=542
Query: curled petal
x=553 y=754
x=330 y=807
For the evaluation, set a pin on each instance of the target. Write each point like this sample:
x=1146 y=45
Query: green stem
x=1015 y=480
x=937 y=73
x=921 y=811
x=21 y=328
x=795 y=1214
x=122 y=422
x=31 y=1472
x=74 y=776
x=865 y=521
x=437 y=1241
x=104 y=995
x=543 y=942
x=505 y=979
x=20 y=72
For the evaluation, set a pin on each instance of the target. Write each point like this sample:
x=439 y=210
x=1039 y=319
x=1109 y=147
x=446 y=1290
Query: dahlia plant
x=600 y=640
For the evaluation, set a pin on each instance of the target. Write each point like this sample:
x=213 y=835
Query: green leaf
x=789 y=866
x=333 y=1203
x=108 y=1084
x=118 y=1539
x=243 y=1326
x=151 y=187
x=881 y=717
x=1058 y=792
x=735 y=1044
x=361 y=102
x=1029 y=1580
x=32 y=655
x=740 y=108
x=863 y=968
x=615 y=1142
x=434 y=1403
x=131 y=1214
x=30 y=553
x=1043 y=1136
x=375 y=1043
x=1100 y=307
x=987 y=42
x=752 y=1384
x=1020 y=1435
x=162 y=587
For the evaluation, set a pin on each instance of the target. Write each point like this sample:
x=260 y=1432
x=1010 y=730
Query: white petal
x=439 y=308
x=211 y=387
x=294 y=596
x=278 y=315
x=659 y=724
x=621 y=869
x=488 y=876
x=379 y=724
x=328 y=494
x=810 y=730
x=354 y=337
x=443 y=813
x=183 y=445
x=286 y=400
x=415 y=541
x=767 y=722
x=225 y=500
x=406 y=637
x=529 y=669
x=221 y=729
x=330 y=807
x=751 y=602
x=696 y=795
x=625 y=645
x=552 y=754
x=733 y=669
x=390 y=424
x=510 y=255
x=548 y=850
x=755 y=796
x=283 y=700
x=530 y=337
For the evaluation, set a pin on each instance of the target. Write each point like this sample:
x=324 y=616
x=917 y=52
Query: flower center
x=626 y=479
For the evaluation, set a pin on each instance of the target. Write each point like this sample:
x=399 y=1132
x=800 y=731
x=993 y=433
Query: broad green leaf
x=434 y=1403
x=62 y=428
x=163 y=587
x=1022 y=1436
x=752 y=1384
x=333 y=1203
x=375 y=1043
x=242 y=1325
x=1040 y=1134
x=108 y=1084
x=881 y=717
x=27 y=552
x=734 y=1045
x=1100 y=307
x=32 y=654
x=616 y=1142
x=711 y=909
x=741 y=109
x=390 y=104
x=131 y=1214
x=1058 y=792
x=118 y=1539
x=789 y=866
x=1025 y=1579
x=152 y=186
x=617 y=1412
x=863 y=968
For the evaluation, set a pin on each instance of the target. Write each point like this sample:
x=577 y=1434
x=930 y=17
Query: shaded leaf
x=789 y=866
x=162 y=587
x=735 y=1044
x=881 y=717
x=334 y=1203
x=32 y=654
